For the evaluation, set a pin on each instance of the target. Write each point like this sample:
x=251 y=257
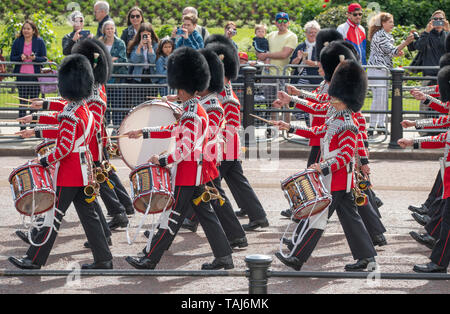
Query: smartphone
x=85 y=33
x=438 y=23
x=233 y=32
x=180 y=31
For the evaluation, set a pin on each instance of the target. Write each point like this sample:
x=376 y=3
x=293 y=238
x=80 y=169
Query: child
x=260 y=43
x=165 y=48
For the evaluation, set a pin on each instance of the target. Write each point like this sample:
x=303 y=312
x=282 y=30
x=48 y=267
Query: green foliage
x=334 y=16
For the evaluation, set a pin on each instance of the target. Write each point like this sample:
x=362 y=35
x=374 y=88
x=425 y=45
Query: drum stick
x=18 y=105
x=12 y=120
x=9 y=135
x=115 y=136
x=262 y=119
x=23 y=99
x=164 y=99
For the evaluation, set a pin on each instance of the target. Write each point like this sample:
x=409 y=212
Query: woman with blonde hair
x=382 y=50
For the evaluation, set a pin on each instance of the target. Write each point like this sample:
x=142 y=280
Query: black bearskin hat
x=325 y=37
x=188 y=70
x=215 y=68
x=349 y=84
x=444 y=83
x=224 y=46
x=75 y=78
x=102 y=65
x=350 y=46
x=445 y=60
x=331 y=57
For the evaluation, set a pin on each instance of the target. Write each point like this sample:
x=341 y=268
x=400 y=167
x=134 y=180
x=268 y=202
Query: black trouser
x=436 y=191
x=121 y=192
x=371 y=218
x=314 y=155
x=27 y=92
x=441 y=251
x=243 y=193
x=437 y=209
x=88 y=218
x=356 y=233
x=230 y=223
x=208 y=220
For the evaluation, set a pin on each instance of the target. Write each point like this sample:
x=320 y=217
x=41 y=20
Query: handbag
x=48 y=88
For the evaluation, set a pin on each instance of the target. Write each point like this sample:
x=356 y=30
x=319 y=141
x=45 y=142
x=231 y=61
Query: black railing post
x=258 y=273
x=249 y=105
x=397 y=107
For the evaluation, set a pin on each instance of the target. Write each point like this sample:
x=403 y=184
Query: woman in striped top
x=382 y=50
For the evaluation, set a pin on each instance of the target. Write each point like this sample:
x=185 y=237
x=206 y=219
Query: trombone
x=209 y=194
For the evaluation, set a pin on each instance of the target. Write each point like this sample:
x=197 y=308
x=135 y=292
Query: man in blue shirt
x=190 y=37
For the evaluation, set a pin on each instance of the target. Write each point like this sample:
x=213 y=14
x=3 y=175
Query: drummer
x=347 y=90
x=188 y=72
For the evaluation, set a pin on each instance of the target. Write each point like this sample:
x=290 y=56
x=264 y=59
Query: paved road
x=398 y=183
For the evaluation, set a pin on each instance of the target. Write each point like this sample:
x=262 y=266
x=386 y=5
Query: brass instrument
x=362 y=183
x=361 y=199
x=113 y=149
x=100 y=175
x=209 y=194
x=91 y=190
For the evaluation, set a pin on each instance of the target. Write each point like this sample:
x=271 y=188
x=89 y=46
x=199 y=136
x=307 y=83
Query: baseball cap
x=282 y=15
x=354 y=6
x=243 y=55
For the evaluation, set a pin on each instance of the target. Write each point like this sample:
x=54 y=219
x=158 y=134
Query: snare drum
x=44 y=148
x=32 y=182
x=151 y=182
x=306 y=193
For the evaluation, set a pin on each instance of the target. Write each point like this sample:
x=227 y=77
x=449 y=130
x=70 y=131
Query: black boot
x=379 y=240
x=424 y=239
x=129 y=210
x=360 y=265
x=288 y=243
x=421 y=219
x=240 y=213
x=429 y=268
x=422 y=210
x=240 y=243
x=98 y=265
x=253 y=225
x=140 y=263
x=23 y=263
x=190 y=225
x=286 y=213
x=292 y=261
x=225 y=262
x=118 y=221
x=23 y=236
x=88 y=246
x=378 y=201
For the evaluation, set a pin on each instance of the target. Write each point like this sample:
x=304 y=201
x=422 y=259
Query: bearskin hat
x=331 y=57
x=98 y=56
x=325 y=37
x=216 y=70
x=187 y=69
x=444 y=83
x=349 y=84
x=75 y=78
x=445 y=60
x=350 y=46
x=224 y=46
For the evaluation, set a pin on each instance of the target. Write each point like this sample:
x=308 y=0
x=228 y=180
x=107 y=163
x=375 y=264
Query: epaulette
x=95 y=97
x=336 y=125
x=70 y=110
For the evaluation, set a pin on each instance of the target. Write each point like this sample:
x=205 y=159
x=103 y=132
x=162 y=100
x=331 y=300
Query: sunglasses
x=282 y=21
x=357 y=14
x=438 y=18
x=135 y=16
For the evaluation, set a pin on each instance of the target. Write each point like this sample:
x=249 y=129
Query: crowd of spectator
x=140 y=45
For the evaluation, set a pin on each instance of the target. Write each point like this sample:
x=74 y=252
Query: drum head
x=136 y=152
x=43 y=201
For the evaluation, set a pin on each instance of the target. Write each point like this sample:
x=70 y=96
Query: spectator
x=382 y=50
x=281 y=43
x=69 y=40
x=353 y=32
x=28 y=47
x=305 y=53
x=189 y=37
x=165 y=48
x=230 y=32
x=118 y=51
x=101 y=12
x=260 y=42
x=135 y=18
x=200 y=29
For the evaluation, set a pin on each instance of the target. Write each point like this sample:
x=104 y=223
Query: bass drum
x=137 y=152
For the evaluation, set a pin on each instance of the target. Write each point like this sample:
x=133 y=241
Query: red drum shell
x=32 y=181
x=151 y=181
x=43 y=148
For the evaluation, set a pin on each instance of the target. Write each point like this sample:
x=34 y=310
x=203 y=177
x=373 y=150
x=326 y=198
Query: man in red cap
x=353 y=32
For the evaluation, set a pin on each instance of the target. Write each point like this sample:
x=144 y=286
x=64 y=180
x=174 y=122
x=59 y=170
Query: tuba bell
x=361 y=199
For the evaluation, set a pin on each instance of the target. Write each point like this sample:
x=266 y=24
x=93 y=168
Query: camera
x=180 y=31
x=416 y=36
x=438 y=23
x=85 y=33
x=145 y=36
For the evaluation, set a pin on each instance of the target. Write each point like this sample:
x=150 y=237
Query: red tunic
x=433 y=91
x=437 y=105
x=191 y=133
x=232 y=110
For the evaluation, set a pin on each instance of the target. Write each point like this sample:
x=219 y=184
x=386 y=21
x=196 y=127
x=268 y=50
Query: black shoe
x=190 y=225
x=370 y=133
x=378 y=201
x=98 y=265
x=422 y=210
x=118 y=221
x=240 y=243
x=253 y=225
x=286 y=213
x=140 y=263
x=360 y=265
x=23 y=263
x=379 y=240
x=240 y=213
x=288 y=243
x=424 y=239
x=292 y=261
x=225 y=262
x=429 y=268
x=129 y=211
x=23 y=236
x=421 y=219
x=88 y=246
